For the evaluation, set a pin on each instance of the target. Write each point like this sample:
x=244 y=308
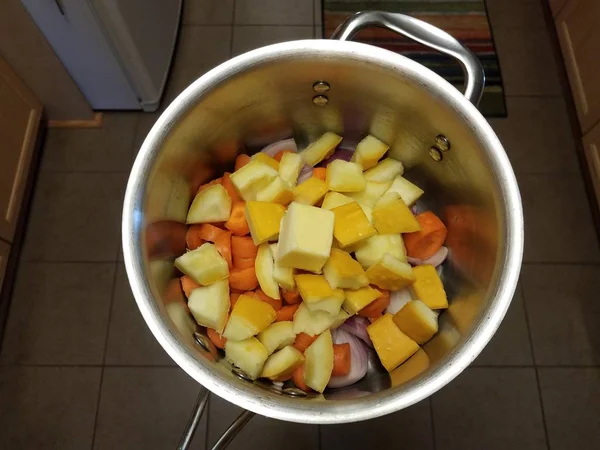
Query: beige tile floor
x=79 y=369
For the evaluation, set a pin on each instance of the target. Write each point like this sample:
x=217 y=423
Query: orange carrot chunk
x=298 y=377
x=206 y=231
x=291 y=297
x=217 y=339
x=377 y=306
x=341 y=360
x=280 y=154
x=243 y=279
x=276 y=304
x=286 y=313
x=188 y=285
x=223 y=244
x=303 y=341
x=230 y=188
x=237 y=223
x=425 y=243
x=241 y=161
x=320 y=173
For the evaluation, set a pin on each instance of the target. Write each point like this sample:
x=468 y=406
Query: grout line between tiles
x=434 y=446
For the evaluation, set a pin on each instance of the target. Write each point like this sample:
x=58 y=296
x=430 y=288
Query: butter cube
x=407 y=191
x=283 y=276
x=428 y=287
x=310 y=192
x=290 y=167
x=351 y=225
x=392 y=215
x=359 y=298
x=369 y=151
x=278 y=191
x=392 y=346
x=264 y=220
x=306 y=237
x=266 y=159
x=371 y=250
x=320 y=149
x=372 y=192
x=342 y=271
x=344 y=176
x=252 y=178
x=248 y=317
x=204 y=265
x=386 y=170
x=318 y=295
x=417 y=321
x=249 y=355
x=391 y=273
x=334 y=199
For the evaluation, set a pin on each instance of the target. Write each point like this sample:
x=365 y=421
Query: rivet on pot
x=435 y=154
x=320 y=87
x=442 y=142
x=294 y=392
x=320 y=100
x=201 y=341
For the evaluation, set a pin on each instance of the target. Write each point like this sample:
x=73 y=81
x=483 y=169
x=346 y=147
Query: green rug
x=466 y=20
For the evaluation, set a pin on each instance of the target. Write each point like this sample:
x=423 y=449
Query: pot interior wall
x=273 y=100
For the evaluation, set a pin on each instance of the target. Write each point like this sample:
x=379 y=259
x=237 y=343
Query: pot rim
x=338 y=411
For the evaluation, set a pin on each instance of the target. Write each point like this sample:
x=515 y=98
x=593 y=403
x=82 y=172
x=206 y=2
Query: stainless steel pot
x=301 y=89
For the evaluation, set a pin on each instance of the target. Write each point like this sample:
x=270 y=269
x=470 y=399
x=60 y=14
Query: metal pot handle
x=425 y=34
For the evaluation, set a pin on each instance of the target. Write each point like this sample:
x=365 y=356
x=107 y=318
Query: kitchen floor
x=80 y=370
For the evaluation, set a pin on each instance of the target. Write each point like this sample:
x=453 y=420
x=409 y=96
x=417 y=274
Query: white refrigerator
x=118 y=51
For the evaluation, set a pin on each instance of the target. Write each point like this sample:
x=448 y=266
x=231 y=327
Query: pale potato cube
x=204 y=265
x=252 y=178
x=357 y=299
x=369 y=151
x=407 y=191
x=335 y=199
x=417 y=321
x=284 y=276
x=344 y=176
x=290 y=167
x=282 y=364
x=265 y=266
x=372 y=192
x=313 y=323
x=210 y=304
x=319 y=362
x=278 y=191
x=212 y=204
x=277 y=336
x=310 y=191
x=320 y=149
x=248 y=317
x=371 y=251
x=392 y=346
x=391 y=273
x=385 y=170
x=391 y=215
x=342 y=271
x=249 y=355
x=305 y=237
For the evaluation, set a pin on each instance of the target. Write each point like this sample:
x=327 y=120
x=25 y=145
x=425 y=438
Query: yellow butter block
x=278 y=191
x=252 y=178
x=306 y=237
x=392 y=346
x=311 y=191
x=428 y=287
x=343 y=271
x=320 y=149
x=335 y=199
x=266 y=159
x=248 y=317
x=344 y=176
x=391 y=273
x=391 y=215
x=351 y=225
x=264 y=219
x=417 y=321
x=357 y=299
x=369 y=151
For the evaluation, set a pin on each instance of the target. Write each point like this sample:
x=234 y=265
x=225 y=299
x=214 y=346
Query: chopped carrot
x=165 y=238
x=223 y=244
x=303 y=341
x=341 y=360
x=280 y=154
x=188 y=285
x=211 y=183
x=276 y=304
x=243 y=246
x=298 y=377
x=206 y=231
x=286 y=313
x=291 y=297
x=425 y=243
x=233 y=298
x=220 y=341
x=320 y=173
x=192 y=240
x=237 y=223
x=241 y=161
x=377 y=306
x=230 y=188
x=244 y=279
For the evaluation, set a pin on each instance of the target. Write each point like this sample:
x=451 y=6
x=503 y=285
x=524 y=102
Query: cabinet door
x=591 y=142
x=20 y=115
x=4 y=251
x=556 y=6
x=579 y=36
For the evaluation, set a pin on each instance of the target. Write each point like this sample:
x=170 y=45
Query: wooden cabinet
x=4 y=252
x=579 y=36
x=591 y=143
x=20 y=115
x=556 y=6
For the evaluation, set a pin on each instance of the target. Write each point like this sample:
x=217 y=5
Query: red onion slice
x=359 y=359
x=276 y=147
x=341 y=153
x=305 y=173
x=357 y=326
x=438 y=258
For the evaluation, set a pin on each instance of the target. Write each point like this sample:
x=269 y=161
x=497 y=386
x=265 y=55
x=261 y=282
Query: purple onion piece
x=359 y=356
x=341 y=153
x=437 y=259
x=276 y=147
x=357 y=326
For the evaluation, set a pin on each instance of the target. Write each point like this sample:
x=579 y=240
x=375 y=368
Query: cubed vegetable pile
x=274 y=267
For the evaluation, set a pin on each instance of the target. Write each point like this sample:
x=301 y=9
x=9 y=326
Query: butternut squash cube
x=264 y=266
x=428 y=287
x=372 y=192
x=248 y=317
x=282 y=364
x=252 y=178
x=249 y=355
x=313 y=323
x=264 y=220
x=351 y=225
x=359 y=298
x=310 y=192
x=391 y=273
x=391 y=215
x=392 y=346
x=266 y=159
x=320 y=149
x=417 y=321
x=277 y=335
x=385 y=170
x=334 y=199
x=344 y=176
x=371 y=250
x=278 y=191
x=290 y=167
x=342 y=271
x=369 y=151
x=317 y=294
